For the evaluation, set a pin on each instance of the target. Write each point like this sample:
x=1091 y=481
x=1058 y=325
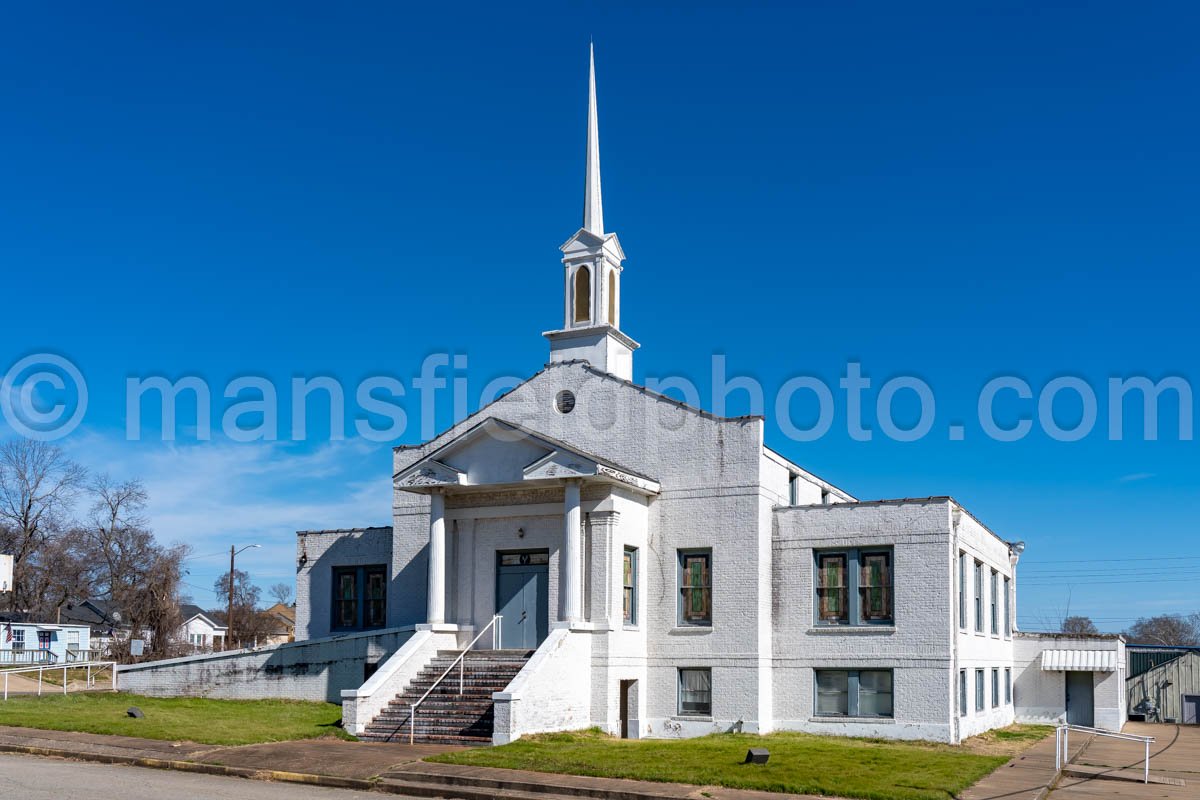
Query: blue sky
x=950 y=191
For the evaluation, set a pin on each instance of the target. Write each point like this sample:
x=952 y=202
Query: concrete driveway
x=1175 y=756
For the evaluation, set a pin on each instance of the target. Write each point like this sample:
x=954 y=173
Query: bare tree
x=1166 y=629
x=130 y=568
x=281 y=593
x=37 y=486
x=1079 y=624
x=249 y=624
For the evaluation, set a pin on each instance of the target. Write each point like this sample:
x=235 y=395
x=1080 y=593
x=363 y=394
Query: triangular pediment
x=585 y=242
x=499 y=453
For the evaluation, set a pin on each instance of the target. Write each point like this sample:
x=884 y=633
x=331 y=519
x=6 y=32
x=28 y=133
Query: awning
x=1079 y=660
x=49 y=628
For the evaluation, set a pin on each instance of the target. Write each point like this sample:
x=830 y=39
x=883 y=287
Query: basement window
x=854 y=693
x=853 y=587
x=695 y=692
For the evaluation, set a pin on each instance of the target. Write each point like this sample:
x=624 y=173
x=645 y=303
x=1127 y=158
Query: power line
x=1101 y=560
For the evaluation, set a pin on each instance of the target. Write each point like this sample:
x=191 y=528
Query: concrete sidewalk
x=395 y=769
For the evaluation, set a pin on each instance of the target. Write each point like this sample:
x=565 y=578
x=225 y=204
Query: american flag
x=8 y=632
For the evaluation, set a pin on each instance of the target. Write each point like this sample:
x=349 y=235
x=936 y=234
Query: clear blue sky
x=953 y=191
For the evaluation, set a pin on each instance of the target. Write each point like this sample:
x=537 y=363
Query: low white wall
x=316 y=669
x=551 y=693
x=363 y=704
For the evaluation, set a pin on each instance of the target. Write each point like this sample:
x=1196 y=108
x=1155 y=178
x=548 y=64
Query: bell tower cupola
x=592 y=260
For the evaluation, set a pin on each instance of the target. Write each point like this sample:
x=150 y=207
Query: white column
x=437 y=558
x=572 y=585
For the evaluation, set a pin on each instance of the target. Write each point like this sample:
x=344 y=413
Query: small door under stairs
x=447 y=717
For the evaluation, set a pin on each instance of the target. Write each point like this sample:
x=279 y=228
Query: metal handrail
x=41 y=670
x=460 y=662
x=1062 y=745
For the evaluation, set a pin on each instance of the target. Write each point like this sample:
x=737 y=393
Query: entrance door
x=522 y=597
x=1191 y=709
x=1080 y=699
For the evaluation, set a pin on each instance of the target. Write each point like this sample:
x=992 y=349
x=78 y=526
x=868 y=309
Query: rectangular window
x=978 y=597
x=979 y=681
x=854 y=587
x=832 y=593
x=962 y=692
x=1008 y=608
x=18 y=640
x=376 y=602
x=359 y=597
x=695 y=587
x=1008 y=685
x=853 y=693
x=995 y=597
x=875 y=586
x=962 y=590
x=73 y=640
x=695 y=692
x=995 y=687
x=629 y=586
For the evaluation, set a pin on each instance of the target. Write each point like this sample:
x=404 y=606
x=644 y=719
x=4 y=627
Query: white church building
x=657 y=571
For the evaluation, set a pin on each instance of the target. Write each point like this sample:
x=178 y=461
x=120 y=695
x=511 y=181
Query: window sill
x=872 y=720
x=691 y=718
x=628 y=627
x=852 y=629
x=690 y=630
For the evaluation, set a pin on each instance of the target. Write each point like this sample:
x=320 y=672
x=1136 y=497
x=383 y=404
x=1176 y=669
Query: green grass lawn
x=799 y=763
x=225 y=722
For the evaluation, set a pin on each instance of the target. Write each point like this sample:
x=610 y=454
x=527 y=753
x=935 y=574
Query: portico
x=500 y=489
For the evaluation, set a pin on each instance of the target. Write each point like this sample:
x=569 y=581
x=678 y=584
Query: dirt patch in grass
x=1010 y=741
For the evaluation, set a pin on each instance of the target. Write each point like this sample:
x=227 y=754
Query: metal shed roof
x=1079 y=660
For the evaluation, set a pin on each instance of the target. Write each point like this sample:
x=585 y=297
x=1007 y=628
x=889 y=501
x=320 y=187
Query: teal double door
x=522 y=598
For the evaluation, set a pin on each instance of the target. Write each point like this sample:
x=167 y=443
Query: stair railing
x=459 y=662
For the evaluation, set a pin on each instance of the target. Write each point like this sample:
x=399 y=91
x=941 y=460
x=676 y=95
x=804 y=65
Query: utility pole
x=229 y=618
x=233 y=551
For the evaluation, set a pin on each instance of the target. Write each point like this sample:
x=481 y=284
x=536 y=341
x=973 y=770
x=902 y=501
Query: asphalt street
x=38 y=778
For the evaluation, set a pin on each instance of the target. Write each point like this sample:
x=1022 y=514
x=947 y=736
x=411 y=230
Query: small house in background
x=105 y=623
x=23 y=642
x=200 y=631
x=283 y=617
x=1164 y=684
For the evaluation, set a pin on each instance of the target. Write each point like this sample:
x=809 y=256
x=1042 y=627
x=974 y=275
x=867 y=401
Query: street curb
x=327 y=781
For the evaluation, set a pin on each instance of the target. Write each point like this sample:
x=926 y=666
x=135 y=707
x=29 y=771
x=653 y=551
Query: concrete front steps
x=427 y=779
x=447 y=717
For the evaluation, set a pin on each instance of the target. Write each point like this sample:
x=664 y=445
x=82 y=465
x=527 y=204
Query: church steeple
x=593 y=203
x=592 y=259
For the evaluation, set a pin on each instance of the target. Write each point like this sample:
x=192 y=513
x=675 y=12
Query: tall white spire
x=593 y=206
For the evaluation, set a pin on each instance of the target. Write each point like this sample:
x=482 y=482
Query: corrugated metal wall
x=1143 y=660
x=1164 y=686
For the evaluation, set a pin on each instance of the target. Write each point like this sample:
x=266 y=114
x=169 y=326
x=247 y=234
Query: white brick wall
x=1041 y=694
x=317 y=553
